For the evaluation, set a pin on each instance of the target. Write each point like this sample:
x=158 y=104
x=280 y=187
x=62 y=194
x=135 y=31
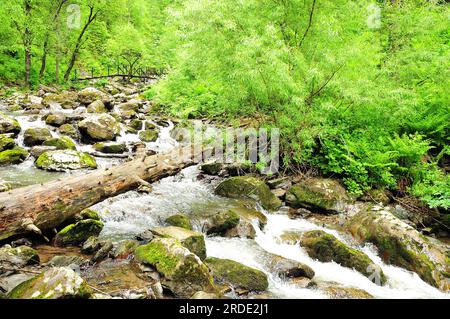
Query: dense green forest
x=359 y=89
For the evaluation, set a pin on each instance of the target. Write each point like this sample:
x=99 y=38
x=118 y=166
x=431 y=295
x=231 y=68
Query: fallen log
x=40 y=208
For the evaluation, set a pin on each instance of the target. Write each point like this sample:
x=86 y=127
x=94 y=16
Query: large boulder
x=327 y=248
x=97 y=107
x=220 y=222
x=6 y=142
x=237 y=275
x=61 y=143
x=182 y=271
x=13 y=156
x=9 y=125
x=55 y=119
x=36 y=136
x=320 y=194
x=54 y=283
x=90 y=95
x=67 y=99
x=244 y=186
x=18 y=257
x=99 y=127
x=78 y=233
x=62 y=160
x=400 y=244
x=194 y=241
x=288 y=268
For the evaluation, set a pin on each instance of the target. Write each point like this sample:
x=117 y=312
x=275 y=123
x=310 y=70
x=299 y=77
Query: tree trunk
x=27 y=66
x=27 y=41
x=40 y=208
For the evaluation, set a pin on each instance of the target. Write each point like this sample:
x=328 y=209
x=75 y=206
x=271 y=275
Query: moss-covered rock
x=97 y=107
x=18 y=257
x=183 y=272
x=288 y=268
x=236 y=274
x=78 y=233
x=179 y=220
x=327 y=248
x=13 y=156
x=244 y=186
x=69 y=130
x=62 y=160
x=90 y=214
x=148 y=135
x=55 y=119
x=136 y=124
x=61 y=143
x=90 y=95
x=36 y=136
x=6 y=142
x=99 y=127
x=54 y=283
x=9 y=125
x=324 y=195
x=211 y=168
x=222 y=221
x=67 y=99
x=401 y=245
x=110 y=147
x=194 y=241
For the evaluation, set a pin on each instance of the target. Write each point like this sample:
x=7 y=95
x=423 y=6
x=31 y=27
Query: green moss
x=223 y=221
x=88 y=160
x=90 y=214
x=244 y=186
x=6 y=143
x=78 y=233
x=69 y=130
x=179 y=220
x=110 y=148
x=61 y=143
x=148 y=135
x=14 y=156
x=236 y=274
x=327 y=248
x=155 y=253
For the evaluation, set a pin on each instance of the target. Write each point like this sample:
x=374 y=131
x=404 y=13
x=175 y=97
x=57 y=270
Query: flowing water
x=131 y=213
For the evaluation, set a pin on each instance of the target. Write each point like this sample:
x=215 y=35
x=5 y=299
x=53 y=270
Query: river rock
x=69 y=130
x=211 y=168
x=61 y=143
x=13 y=156
x=99 y=127
x=179 y=220
x=148 y=135
x=6 y=142
x=335 y=291
x=288 y=268
x=183 y=272
x=55 y=119
x=36 y=136
x=236 y=274
x=194 y=241
x=78 y=233
x=132 y=105
x=327 y=248
x=401 y=245
x=90 y=95
x=7 y=284
x=201 y=295
x=97 y=107
x=91 y=245
x=54 y=283
x=220 y=222
x=67 y=99
x=18 y=257
x=103 y=253
x=9 y=125
x=136 y=124
x=62 y=160
x=321 y=194
x=110 y=147
x=244 y=186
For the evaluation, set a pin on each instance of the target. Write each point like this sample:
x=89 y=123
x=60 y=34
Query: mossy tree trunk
x=40 y=208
